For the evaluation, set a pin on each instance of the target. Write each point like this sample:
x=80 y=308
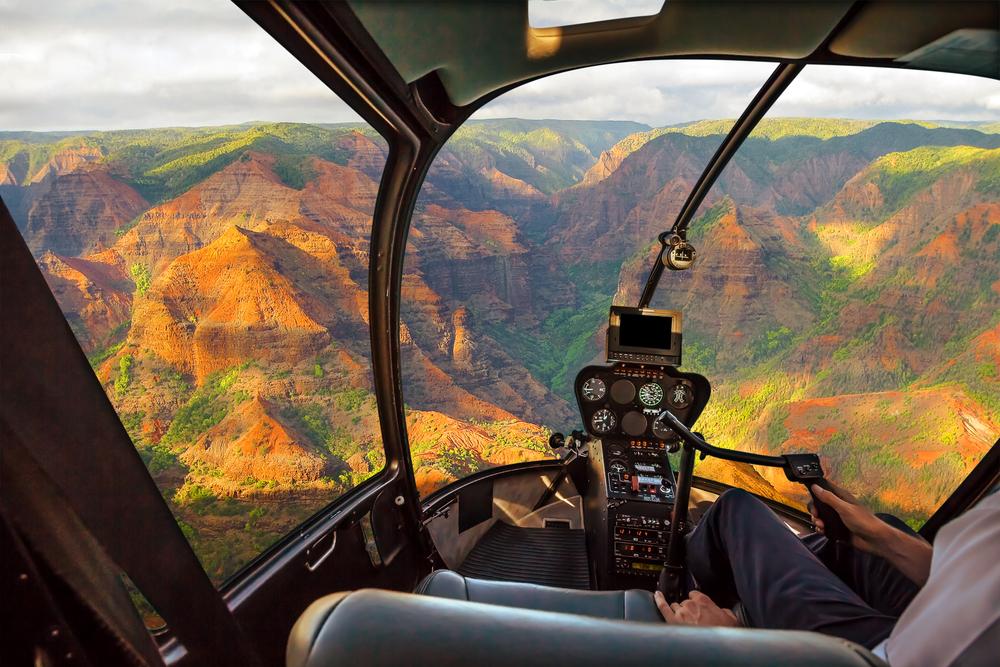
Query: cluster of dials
x=623 y=392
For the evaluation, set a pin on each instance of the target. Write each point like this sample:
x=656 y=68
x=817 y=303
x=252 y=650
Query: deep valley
x=846 y=299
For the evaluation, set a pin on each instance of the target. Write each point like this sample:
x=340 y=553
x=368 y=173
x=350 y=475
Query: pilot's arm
x=909 y=554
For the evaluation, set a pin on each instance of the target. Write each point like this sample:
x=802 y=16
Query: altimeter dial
x=680 y=396
x=651 y=394
x=594 y=389
x=603 y=421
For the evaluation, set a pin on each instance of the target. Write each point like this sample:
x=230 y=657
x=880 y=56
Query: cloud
x=674 y=91
x=112 y=64
x=882 y=93
x=651 y=92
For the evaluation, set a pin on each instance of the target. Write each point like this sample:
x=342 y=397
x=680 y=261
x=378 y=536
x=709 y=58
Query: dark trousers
x=741 y=551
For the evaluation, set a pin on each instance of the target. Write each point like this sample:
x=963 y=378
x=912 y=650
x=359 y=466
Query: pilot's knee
x=738 y=500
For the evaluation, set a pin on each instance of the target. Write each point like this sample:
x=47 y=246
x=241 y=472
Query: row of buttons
x=639 y=535
x=640 y=550
x=641 y=372
x=639 y=520
x=646 y=358
x=637 y=568
x=808 y=470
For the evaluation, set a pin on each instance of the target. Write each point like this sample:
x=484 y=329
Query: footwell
x=551 y=556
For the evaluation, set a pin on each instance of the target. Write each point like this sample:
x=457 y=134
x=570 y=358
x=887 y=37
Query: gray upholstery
x=386 y=629
x=634 y=605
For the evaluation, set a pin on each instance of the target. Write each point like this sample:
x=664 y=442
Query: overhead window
x=201 y=207
x=556 y=13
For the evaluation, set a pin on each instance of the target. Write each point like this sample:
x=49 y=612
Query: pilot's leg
x=877 y=581
x=740 y=548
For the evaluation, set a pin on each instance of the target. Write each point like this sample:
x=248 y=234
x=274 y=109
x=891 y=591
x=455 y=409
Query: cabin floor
x=555 y=555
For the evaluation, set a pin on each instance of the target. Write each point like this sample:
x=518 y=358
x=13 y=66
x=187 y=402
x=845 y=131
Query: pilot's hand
x=868 y=532
x=698 y=609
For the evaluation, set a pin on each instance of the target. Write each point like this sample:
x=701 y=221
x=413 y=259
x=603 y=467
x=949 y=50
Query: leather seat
x=386 y=629
x=633 y=605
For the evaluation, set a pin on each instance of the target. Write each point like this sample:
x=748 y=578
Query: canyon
x=844 y=302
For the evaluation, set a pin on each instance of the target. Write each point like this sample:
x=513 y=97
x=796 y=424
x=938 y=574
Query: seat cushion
x=633 y=605
x=386 y=629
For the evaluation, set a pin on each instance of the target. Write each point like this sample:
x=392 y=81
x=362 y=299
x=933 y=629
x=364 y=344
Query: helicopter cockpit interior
x=393 y=333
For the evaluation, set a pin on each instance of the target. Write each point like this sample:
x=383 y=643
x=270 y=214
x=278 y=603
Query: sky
x=117 y=64
x=548 y=13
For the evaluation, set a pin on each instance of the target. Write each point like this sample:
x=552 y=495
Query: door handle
x=319 y=551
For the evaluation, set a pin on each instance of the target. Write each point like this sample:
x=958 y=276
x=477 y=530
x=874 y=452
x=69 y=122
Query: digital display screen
x=647 y=331
x=647 y=566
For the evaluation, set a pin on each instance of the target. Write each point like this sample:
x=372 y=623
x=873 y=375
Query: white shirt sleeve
x=953 y=619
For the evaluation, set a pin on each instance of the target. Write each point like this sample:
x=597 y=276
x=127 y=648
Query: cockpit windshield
x=518 y=241
x=844 y=300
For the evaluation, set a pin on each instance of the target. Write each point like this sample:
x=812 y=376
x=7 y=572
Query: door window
x=200 y=206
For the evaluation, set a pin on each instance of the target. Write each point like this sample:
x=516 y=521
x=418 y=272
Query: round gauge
x=634 y=423
x=651 y=394
x=680 y=396
x=603 y=421
x=593 y=389
x=662 y=431
x=617 y=466
x=623 y=392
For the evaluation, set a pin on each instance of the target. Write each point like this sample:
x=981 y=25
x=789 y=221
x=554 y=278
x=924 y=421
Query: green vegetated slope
x=783 y=127
x=163 y=163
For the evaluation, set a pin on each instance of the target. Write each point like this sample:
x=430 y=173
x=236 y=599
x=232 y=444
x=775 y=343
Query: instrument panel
x=638 y=470
x=630 y=480
x=623 y=401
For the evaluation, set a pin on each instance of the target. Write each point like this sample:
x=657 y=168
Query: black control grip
x=805 y=469
x=833 y=525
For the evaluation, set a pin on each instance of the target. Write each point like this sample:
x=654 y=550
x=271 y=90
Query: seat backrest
x=382 y=629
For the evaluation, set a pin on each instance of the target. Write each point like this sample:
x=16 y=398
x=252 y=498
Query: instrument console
x=631 y=482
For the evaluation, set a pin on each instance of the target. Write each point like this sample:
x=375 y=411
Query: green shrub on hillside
x=311 y=419
x=141 y=277
x=770 y=343
x=124 y=378
x=100 y=356
x=206 y=407
x=351 y=399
